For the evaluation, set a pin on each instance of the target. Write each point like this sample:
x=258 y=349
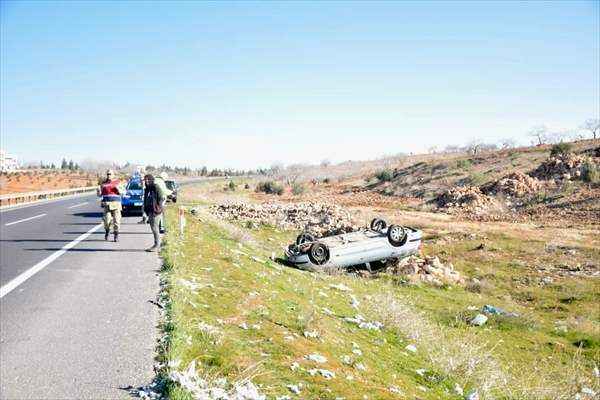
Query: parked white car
x=368 y=246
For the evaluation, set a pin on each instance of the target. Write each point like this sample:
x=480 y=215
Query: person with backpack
x=154 y=200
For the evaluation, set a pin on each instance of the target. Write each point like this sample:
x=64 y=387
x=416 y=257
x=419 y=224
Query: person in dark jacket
x=154 y=199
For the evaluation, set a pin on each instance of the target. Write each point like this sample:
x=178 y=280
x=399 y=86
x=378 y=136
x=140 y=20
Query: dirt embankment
x=39 y=180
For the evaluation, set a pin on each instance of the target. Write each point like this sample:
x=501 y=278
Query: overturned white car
x=371 y=246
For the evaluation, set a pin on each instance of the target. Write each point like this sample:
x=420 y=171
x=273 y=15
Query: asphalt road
x=76 y=321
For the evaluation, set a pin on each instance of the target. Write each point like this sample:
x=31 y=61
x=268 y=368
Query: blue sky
x=244 y=84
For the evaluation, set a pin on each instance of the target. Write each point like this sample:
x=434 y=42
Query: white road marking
x=79 y=205
x=10 y=286
x=23 y=220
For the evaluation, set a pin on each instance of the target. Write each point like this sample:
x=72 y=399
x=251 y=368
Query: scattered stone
x=563 y=167
x=396 y=390
x=322 y=219
x=316 y=357
x=294 y=389
x=362 y=324
x=360 y=367
x=323 y=372
x=311 y=334
x=516 y=184
x=428 y=269
x=458 y=389
x=464 y=198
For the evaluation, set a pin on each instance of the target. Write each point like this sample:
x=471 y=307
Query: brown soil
x=33 y=181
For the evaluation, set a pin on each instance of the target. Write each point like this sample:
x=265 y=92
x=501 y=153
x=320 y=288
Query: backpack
x=151 y=203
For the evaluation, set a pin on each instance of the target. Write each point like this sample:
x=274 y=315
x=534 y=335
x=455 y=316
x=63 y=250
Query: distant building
x=8 y=162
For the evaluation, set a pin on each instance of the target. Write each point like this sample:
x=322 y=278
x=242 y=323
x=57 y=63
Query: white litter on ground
x=316 y=357
x=412 y=348
x=341 y=287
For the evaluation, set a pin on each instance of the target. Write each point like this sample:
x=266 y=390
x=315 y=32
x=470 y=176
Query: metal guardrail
x=28 y=197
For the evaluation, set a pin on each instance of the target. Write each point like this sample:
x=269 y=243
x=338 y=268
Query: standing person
x=140 y=172
x=160 y=182
x=111 y=191
x=154 y=198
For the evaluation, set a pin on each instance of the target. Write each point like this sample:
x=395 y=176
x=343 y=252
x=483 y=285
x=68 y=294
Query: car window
x=171 y=185
x=134 y=185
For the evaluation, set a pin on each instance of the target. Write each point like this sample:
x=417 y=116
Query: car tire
x=174 y=199
x=305 y=237
x=397 y=235
x=318 y=253
x=378 y=224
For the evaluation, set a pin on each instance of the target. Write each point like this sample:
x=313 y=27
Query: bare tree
x=540 y=133
x=508 y=143
x=432 y=149
x=325 y=163
x=593 y=126
x=474 y=146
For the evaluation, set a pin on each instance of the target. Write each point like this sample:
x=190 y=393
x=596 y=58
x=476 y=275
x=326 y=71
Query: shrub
x=560 y=149
x=476 y=179
x=464 y=164
x=270 y=187
x=246 y=186
x=231 y=186
x=590 y=172
x=385 y=175
x=298 y=189
x=326 y=181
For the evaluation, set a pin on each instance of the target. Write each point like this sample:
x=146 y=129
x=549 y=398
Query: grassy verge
x=241 y=316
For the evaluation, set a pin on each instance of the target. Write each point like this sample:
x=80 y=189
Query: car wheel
x=174 y=199
x=304 y=238
x=318 y=254
x=377 y=224
x=397 y=235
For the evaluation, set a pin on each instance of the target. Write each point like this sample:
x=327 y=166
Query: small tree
x=561 y=149
x=474 y=146
x=593 y=126
x=64 y=164
x=71 y=165
x=508 y=143
x=540 y=133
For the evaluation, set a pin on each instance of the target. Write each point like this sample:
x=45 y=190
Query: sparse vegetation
x=464 y=163
x=561 y=148
x=590 y=173
x=384 y=175
x=298 y=188
x=231 y=186
x=270 y=187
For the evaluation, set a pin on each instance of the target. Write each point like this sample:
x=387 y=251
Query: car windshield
x=170 y=184
x=134 y=185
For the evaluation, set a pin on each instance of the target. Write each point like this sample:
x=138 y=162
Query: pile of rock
x=516 y=184
x=429 y=269
x=562 y=167
x=322 y=219
x=468 y=198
